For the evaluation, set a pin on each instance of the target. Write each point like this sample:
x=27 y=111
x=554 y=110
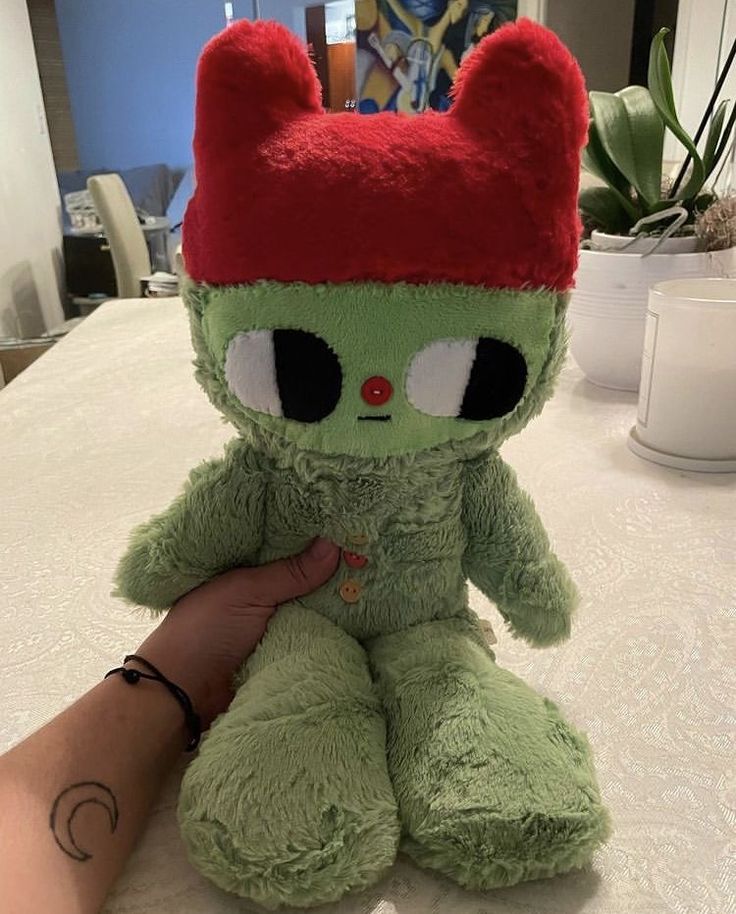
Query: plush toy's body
x=370 y=410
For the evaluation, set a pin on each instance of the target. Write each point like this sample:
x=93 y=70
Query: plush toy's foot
x=493 y=786
x=289 y=800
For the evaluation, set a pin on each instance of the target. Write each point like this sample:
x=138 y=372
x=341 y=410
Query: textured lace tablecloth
x=102 y=431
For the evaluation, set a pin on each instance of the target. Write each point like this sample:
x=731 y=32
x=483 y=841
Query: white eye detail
x=250 y=371
x=477 y=380
x=438 y=376
x=284 y=372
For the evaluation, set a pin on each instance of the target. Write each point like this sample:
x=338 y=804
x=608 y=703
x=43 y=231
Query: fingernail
x=321 y=548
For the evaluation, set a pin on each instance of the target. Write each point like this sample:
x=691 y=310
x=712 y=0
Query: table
x=102 y=430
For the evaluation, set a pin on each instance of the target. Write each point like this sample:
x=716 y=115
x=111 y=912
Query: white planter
x=608 y=306
x=643 y=244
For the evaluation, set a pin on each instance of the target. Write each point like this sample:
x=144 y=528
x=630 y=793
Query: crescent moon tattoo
x=66 y=806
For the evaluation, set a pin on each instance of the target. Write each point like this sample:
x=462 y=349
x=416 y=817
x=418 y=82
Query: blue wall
x=130 y=70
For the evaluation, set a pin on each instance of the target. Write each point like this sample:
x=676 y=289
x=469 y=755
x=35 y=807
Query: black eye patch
x=288 y=373
x=496 y=383
x=475 y=379
x=308 y=375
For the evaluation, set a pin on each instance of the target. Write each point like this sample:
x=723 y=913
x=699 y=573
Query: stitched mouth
x=374 y=418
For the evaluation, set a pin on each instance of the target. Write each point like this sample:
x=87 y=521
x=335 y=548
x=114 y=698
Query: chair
x=128 y=247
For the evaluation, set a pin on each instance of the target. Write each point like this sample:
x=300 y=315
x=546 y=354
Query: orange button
x=350 y=591
x=353 y=560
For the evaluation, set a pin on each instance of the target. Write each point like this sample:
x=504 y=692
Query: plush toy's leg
x=289 y=800
x=493 y=786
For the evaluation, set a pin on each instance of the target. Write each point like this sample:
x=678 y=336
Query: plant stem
x=708 y=111
x=724 y=141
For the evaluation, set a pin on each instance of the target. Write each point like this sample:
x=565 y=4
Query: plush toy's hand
x=215 y=524
x=146 y=576
x=208 y=634
x=538 y=601
x=509 y=558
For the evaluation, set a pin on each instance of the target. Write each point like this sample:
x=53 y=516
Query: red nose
x=376 y=391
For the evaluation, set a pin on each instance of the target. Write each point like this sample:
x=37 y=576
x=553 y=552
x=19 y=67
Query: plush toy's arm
x=509 y=558
x=215 y=524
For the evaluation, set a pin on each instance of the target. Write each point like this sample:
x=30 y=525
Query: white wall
x=705 y=32
x=289 y=12
x=30 y=232
x=532 y=9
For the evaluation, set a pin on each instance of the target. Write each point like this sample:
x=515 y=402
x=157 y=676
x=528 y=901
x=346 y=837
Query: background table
x=101 y=432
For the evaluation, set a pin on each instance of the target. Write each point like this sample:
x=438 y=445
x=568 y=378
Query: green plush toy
x=376 y=304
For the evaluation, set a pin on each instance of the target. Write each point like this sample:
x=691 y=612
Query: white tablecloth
x=102 y=431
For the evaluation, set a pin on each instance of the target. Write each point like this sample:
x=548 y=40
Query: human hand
x=209 y=632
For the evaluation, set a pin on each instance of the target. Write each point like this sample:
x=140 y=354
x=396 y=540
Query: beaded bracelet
x=133 y=677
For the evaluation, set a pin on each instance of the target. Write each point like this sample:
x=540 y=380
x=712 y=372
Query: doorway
x=331 y=35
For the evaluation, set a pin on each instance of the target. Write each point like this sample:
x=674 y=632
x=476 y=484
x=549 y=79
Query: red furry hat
x=485 y=194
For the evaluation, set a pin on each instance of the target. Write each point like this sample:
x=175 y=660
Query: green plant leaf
x=647 y=137
x=660 y=87
x=602 y=207
x=631 y=132
x=662 y=205
x=725 y=137
x=596 y=161
x=714 y=135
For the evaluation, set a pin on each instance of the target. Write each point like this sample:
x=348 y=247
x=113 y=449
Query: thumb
x=285 y=579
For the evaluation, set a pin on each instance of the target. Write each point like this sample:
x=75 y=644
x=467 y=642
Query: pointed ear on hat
x=522 y=87
x=251 y=78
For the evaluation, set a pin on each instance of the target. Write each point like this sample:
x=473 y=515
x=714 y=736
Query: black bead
x=131 y=676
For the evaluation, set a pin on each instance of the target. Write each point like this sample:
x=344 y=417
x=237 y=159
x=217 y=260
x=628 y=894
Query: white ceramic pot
x=608 y=306
x=687 y=401
x=643 y=244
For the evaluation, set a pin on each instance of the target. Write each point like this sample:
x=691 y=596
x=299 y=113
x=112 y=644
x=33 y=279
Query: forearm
x=75 y=795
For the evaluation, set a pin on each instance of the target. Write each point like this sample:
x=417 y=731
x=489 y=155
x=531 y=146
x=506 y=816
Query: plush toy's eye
x=289 y=373
x=471 y=379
